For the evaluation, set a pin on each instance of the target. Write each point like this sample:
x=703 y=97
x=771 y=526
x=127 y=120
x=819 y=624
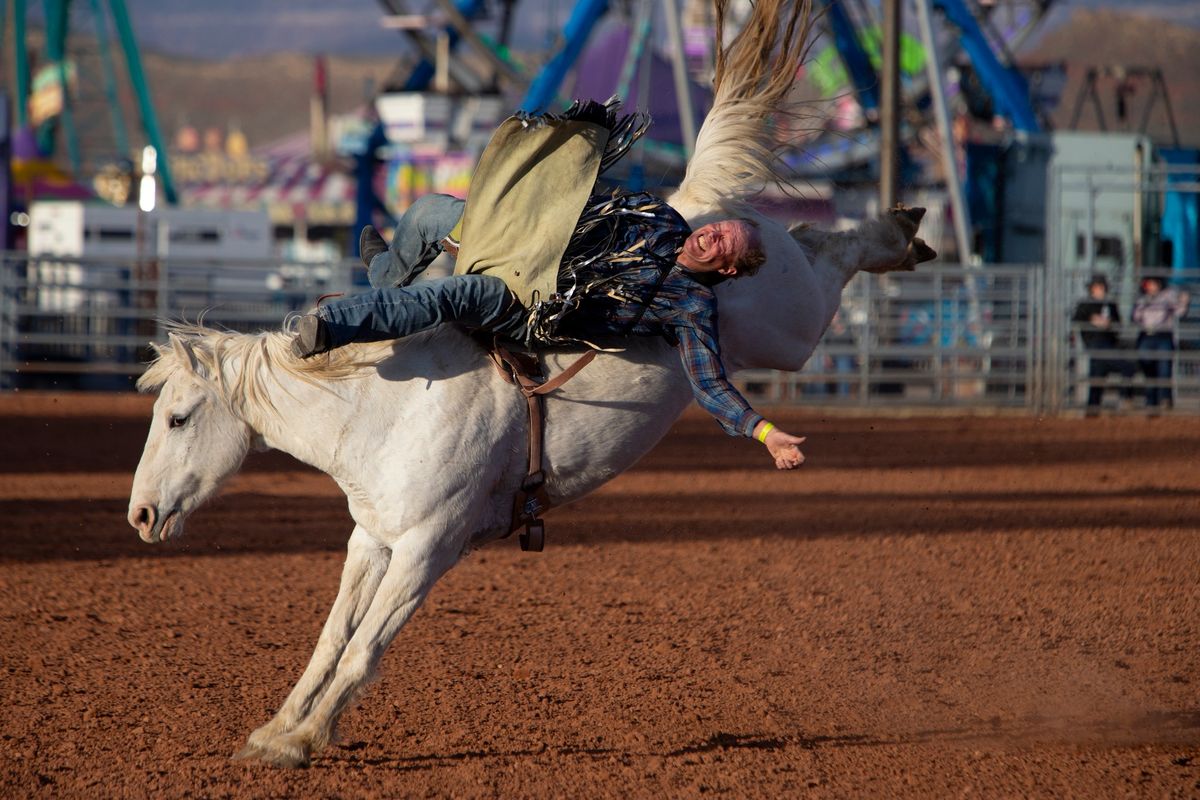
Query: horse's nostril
x=142 y=517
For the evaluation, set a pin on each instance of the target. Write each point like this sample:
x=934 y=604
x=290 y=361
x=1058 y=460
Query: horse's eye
x=177 y=421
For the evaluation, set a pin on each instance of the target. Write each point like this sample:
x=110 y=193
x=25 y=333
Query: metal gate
x=994 y=337
x=946 y=336
x=72 y=323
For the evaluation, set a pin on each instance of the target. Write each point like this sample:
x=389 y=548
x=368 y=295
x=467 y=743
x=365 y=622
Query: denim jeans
x=416 y=241
x=475 y=301
x=1099 y=368
x=1158 y=368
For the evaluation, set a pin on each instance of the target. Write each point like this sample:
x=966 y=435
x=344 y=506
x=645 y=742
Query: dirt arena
x=932 y=606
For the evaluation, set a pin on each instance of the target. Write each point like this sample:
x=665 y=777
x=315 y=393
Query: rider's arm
x=714 y=393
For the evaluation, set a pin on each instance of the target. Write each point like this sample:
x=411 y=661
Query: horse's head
x=195 y=442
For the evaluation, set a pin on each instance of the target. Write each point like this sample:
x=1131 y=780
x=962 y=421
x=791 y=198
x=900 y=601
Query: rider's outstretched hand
x=784 y=447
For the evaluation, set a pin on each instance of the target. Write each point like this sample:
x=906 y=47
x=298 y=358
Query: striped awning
x=292 y=187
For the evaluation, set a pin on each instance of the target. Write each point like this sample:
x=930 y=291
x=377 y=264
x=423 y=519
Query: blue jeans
x=416 y=241
x=1156 y=369
x=1099 y=368
x=475 y=301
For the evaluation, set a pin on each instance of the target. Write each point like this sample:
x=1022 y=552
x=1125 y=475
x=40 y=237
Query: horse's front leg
x=366 y=563
x=418 y=560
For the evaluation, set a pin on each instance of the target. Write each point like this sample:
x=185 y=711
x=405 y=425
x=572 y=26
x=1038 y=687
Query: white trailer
x=213 y=248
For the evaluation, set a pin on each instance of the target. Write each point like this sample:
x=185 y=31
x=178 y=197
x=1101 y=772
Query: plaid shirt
x=685 y=311
x=1157 y=313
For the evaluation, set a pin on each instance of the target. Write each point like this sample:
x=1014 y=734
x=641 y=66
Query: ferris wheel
x=66 y=88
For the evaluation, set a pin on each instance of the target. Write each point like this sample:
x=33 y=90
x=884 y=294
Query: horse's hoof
x=908 y=218
x=257 y=742
x=288 y=760
x=922 y=251
x=284 y=752
x=248 y=752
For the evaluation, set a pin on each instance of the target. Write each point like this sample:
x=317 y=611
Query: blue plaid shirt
x=685 y=311
x=622 y=246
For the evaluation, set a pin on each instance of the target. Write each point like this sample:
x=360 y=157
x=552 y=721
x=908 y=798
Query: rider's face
x=717 y=246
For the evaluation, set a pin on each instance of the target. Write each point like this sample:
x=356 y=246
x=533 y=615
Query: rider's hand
x=784 y=447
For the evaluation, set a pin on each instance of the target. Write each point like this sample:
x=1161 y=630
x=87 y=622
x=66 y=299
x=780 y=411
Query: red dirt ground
x=932 y=606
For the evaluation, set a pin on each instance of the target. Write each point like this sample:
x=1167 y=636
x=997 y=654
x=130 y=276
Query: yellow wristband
x=762 y=435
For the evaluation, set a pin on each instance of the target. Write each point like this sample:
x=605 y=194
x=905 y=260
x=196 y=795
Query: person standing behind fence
x=1156 y=313
x=1099 y=323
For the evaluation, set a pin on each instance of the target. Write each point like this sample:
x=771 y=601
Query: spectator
x=1156 y=313
x=1099 y=322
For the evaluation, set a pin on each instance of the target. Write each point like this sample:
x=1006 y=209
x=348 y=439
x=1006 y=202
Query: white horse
x=429 y=442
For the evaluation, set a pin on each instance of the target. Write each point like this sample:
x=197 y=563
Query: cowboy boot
x=370 y=244
x=312 y=337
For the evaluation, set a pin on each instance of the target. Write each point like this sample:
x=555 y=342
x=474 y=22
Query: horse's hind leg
x=366 y=563
x=890 y=243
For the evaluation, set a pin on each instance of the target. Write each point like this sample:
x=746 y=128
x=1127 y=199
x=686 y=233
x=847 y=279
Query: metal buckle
x=533 y=507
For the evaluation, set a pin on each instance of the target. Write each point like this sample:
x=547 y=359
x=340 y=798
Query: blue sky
x=216 y=29
x=224 y=28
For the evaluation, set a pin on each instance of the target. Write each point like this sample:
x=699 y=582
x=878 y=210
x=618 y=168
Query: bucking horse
x=428 y=440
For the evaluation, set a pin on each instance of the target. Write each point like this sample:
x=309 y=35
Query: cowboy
x=630 y=265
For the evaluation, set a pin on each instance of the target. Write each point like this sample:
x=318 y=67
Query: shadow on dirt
x=697 y=444
x=1152 y=727
x=51 y=444
x=100 y=444
x=41 y=530
x=73 y=529
x=1156 y=727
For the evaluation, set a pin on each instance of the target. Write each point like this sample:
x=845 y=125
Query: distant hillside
x=1105 y=38
x=217 y=29
x=267 y=96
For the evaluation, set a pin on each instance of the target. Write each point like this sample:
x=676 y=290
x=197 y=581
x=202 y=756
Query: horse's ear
x=183 y=352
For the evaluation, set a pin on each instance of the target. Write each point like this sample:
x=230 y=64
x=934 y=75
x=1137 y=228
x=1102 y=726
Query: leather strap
x=566 y=375
x=523 y=371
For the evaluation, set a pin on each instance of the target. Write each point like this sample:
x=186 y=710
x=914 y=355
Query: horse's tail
x=737 y=152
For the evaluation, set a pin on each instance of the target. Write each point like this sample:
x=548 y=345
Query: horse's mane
x=204 y=350
x=737 y=153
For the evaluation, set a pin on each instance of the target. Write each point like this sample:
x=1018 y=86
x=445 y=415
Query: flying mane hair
x=198 y=348
x=737 y=152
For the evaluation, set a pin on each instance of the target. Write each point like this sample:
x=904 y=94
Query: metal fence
x=948 y=336
x=1126 y=375
x=942 y=336
x=988 y=337
x=1004 y=336
x=1129 y=220
x=76 y=323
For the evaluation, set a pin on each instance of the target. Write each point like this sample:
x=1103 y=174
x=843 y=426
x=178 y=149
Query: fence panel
x=1123 y=371
x=1127 y=224
x=949 y=336
x=74 y=323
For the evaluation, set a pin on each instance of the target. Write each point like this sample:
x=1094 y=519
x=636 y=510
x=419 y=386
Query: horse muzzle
x=153 y=526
